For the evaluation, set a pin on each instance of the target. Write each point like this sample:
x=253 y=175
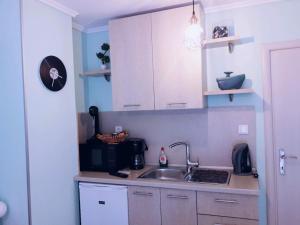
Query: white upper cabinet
x=177 y=69
x=131 y=63
x=150 y=64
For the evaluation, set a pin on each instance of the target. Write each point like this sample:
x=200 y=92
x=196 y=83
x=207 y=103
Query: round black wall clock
x=53 y=73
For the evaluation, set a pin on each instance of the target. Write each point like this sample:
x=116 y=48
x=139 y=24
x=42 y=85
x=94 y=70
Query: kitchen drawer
x=219 y=220
x=231 y=205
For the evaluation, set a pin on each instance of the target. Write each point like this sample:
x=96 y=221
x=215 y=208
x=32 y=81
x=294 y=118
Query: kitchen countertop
x=246 y=185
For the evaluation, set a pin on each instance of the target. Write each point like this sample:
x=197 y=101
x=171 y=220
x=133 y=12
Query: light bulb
x=192 y=38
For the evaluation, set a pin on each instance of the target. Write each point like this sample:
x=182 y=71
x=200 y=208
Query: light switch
x=243 y=129
x=118 y=129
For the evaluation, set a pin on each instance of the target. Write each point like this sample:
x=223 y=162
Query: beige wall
x=211 y=133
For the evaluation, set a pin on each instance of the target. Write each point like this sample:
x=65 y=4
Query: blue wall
x=98 y=90
x=13 y=178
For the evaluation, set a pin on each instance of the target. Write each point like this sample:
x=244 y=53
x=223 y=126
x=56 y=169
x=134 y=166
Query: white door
x=177 y=69
x=131 y=63
x=285 y=95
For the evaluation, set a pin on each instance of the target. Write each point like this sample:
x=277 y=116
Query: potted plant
x=103 y=56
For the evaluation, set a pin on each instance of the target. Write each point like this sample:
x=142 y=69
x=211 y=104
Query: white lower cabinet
x=100 y=203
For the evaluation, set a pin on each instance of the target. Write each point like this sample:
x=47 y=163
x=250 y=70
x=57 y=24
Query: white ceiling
x=93 y=13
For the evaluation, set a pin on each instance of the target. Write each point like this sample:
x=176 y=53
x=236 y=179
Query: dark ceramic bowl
x=234 y=82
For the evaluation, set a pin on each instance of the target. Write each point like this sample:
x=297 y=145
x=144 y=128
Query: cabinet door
x=131 y=63
x=178 y=207
x=144 y=206
x=177 y=69
x=230 y=205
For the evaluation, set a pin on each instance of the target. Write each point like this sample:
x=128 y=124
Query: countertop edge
x=172 y=185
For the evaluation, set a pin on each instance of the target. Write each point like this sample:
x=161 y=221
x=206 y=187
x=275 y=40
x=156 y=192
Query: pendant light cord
x=193 y=7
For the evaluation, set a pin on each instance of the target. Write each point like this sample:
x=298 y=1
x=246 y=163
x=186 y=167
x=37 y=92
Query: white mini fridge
x=103 y=204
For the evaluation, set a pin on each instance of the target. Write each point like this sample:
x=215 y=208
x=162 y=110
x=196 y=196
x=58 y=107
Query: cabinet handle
x=131 y=105
x=176 y=103
x=223 y=224
x=178 y=196
x=140 y=193
x=226 y=201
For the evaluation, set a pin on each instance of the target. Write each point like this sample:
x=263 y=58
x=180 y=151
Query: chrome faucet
x=189 y=164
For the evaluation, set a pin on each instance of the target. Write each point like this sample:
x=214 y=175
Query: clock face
x=53 y=73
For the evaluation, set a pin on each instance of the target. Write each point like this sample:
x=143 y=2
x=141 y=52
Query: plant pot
x=103 y=66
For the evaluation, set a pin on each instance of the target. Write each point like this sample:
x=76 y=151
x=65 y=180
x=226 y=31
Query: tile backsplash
x=211 y=132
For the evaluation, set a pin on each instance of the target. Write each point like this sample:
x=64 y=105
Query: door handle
x=282 y=160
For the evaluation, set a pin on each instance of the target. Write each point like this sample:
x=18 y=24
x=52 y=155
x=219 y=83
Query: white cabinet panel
x=99 y=204
x=131 y=63
x=177 y=69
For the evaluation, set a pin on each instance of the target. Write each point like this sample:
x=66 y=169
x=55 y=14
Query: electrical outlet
x=243 y=129
x=118 y=129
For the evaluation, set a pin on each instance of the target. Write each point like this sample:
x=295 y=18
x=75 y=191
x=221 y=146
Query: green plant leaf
x=106 y=59
x=105 y=47
x=100 y=55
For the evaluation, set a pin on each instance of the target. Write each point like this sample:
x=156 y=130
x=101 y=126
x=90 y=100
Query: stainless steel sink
x=208 y=176
x=181 y=174
x=172 y=173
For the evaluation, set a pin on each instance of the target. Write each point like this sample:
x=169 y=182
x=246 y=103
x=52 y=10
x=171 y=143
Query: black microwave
x=99 y=156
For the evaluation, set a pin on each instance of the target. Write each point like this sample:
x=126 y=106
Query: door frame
x=271 y=180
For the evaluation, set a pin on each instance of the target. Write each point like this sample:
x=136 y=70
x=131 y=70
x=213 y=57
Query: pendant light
x=193 y=32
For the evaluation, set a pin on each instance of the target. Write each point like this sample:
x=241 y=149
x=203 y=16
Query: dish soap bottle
x=163 y=161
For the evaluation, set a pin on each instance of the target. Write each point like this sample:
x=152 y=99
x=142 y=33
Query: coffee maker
x=136 y=148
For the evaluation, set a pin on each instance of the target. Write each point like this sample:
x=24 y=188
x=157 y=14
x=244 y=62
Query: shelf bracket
x=107 y=77
x=230 y=47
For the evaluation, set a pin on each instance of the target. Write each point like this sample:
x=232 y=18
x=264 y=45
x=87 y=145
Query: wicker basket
x=113 y=138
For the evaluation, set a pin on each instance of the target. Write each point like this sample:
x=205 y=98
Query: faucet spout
x=189 y=163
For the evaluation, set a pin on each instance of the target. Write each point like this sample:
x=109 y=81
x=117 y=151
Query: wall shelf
x=229 y=92
x=97 y=73
x=221 y=42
